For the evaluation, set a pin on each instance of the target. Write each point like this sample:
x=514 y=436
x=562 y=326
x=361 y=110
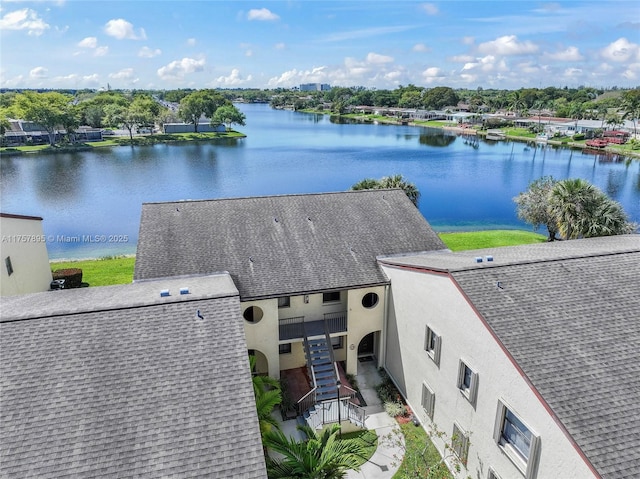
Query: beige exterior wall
x=418 y=300
x=263 y=335
x=23 y=242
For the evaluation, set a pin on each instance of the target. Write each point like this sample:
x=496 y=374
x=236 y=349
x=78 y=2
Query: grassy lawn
x=520 y=132
x=101 y=272
x=420 y=454
x=369 y=440
x=489 y=239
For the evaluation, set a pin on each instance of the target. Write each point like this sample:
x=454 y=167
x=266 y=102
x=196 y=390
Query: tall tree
x=582 y=210
x=44 y=109
x=198 y=104
x=631 y=107
x=321 y=456
x=228 y=114
x=532 y=205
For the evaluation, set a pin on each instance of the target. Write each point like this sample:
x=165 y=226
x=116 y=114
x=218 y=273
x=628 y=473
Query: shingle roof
x=281 y=245
x=569 y=314
x=119 y=389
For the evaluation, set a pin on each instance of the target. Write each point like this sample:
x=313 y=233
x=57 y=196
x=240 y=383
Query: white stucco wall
x=263 y=335
x=23 y=241
x=419 y=299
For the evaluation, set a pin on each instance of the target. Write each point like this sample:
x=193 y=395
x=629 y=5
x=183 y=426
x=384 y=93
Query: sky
x=158 y=44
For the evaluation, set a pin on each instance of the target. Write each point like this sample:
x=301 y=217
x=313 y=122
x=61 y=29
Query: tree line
x=54 y=110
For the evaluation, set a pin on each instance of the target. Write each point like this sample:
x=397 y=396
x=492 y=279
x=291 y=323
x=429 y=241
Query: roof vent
x=164 y=293
x=499 y=285
x=199 y=314
x=489 y=258
x=184 y=291
x=275 y=219
x=478 y=259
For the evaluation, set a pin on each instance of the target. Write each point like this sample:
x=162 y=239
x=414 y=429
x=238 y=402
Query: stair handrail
x=304 y=399
x=309 y=364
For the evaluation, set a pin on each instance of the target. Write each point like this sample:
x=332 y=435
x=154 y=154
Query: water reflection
x=59 y=177
x=440 y=140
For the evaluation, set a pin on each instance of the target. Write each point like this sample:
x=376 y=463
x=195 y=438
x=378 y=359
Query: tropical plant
x=320 y=456
x=267 y=395
x=44 y=109
x=581 y=210
x=631 y=106
x=228 y=114
x=395 y=181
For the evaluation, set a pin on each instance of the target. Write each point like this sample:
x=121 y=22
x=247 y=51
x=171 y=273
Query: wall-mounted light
x=306 y=298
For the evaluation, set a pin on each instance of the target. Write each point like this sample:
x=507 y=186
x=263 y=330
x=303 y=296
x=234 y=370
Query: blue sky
x=269 y=44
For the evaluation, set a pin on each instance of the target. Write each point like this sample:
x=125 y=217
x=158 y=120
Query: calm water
x=90 y=194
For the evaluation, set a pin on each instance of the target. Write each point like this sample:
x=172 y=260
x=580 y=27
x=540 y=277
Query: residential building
x=315 y=87
x=25 y=261
x=204 y=126
x=525 y=353
x=141 y=380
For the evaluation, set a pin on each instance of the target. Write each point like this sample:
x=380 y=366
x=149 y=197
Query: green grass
x=489 y=239
x=101 y=272
x=519 y=132
x=369 y=439
x=420 y=454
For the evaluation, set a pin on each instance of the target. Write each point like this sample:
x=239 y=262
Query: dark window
x=253 y=314
x=7 y=262
x=337 y=342
x=370 y=300
x=284 y=302
x=284 y=348
x=332 y=297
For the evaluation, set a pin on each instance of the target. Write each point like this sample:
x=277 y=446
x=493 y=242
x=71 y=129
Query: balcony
x=301 y=326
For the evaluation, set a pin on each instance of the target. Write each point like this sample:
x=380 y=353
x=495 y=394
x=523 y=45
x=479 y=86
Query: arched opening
x=253 y=314
x=370 y=300
x=366 y=347
x=261 y=366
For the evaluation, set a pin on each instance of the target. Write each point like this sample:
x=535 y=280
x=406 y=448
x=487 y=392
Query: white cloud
x=572 y=73
x=468 y=40
x=93 y=79
x=70 y=79
x=89 y=42
x=294 y=77
x=11 y=82
x=429 y=8
x=621 y=50
x=262 y=14
x=25 y=19
x=177 y=69
x=432 y=74
x=462 y=58
x=39 y=72
x=146 y=52
x=571 y=54
x=632 y=72
x=248 y=53
x=124 y=74
x=234 y=78
x=101 y=51
x=122 y=29
x=507 y=45
x=280 y=46
x=377 y=59
x=191 y=42
x=421 y=47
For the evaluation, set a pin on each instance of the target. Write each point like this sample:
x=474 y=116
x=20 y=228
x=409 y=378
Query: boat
x=542 y=138
x=596 y=143
x=496 y=135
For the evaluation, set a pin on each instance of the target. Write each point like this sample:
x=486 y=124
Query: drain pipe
x=385 y=320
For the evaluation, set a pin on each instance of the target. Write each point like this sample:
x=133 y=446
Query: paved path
x=386 y=460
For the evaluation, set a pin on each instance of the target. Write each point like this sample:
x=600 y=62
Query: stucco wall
x=23 y=241
x=419 y=299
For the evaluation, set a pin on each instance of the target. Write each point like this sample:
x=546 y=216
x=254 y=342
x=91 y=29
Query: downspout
x=383 y=337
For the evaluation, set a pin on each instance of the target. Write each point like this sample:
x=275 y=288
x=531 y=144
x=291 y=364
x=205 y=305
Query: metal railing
x=336 y=322
x=291 y=328
x=306 y=402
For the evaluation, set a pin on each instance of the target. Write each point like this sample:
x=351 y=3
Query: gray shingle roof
x=127 y=389
x=281 y=245
x=569 y=314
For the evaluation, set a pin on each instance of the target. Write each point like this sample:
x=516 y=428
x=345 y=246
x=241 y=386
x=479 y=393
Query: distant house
x=203 y=127
x=25 y=261
x=141 y=380
x=315 y=87
x=525 y=353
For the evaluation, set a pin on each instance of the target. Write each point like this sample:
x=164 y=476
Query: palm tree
x=631 y=106
x=267 y=395
x=367 y=184
x=582 y=211
x=395 y=181
x=321 y=456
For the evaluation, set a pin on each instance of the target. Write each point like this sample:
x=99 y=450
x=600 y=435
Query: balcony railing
x=301 y=326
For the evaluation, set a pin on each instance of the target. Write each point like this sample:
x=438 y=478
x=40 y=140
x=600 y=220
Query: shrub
x=578 y=136
x=395 y=409
x=72 y=277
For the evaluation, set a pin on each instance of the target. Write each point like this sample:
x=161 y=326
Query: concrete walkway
x=386 y=460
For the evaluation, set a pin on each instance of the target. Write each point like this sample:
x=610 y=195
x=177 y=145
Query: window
x=493 y=474
x=7 y=263
x=253 y=314
x=370 y=300
x=468 y=382
x=284 y=348
x=332 y=297
x=517 y=440
x=337 y=342
x=432 y=343
x=460 y=443
x=428 y=400
x=284 y=302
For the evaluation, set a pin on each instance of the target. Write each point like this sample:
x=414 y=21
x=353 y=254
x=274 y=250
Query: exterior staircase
x=322 y=368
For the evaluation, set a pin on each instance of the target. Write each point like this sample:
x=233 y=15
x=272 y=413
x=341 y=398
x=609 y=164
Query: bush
x=395 y=409
x=578 y=136
x=72 y=277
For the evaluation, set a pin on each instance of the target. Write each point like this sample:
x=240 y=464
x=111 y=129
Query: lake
x=89 y=198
